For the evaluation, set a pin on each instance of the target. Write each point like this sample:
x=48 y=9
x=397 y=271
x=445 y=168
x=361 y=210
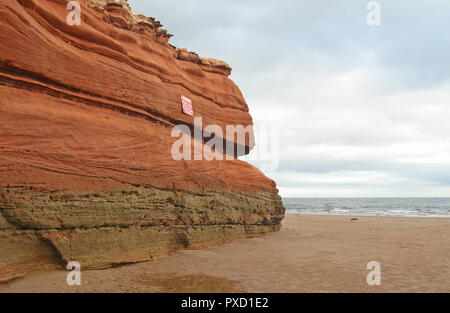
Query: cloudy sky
x=359 y=110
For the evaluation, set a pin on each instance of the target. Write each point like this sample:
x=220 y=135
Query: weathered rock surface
x=86 y=114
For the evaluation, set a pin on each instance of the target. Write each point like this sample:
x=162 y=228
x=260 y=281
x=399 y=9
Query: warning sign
x=186 y=103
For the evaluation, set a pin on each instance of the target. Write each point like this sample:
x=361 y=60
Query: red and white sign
x=187 y=106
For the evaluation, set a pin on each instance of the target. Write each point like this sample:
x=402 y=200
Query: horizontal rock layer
x=86 y=114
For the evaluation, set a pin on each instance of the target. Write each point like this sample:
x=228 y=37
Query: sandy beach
x=310 y=254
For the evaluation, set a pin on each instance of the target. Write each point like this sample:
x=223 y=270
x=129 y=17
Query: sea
x=407 y=207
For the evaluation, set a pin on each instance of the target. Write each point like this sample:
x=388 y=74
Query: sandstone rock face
x=86 y=114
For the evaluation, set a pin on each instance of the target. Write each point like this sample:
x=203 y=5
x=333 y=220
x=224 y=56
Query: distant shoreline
x=360 y=215
x=395 y=207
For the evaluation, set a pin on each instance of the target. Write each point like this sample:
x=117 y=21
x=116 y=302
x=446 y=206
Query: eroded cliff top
x=119 y=13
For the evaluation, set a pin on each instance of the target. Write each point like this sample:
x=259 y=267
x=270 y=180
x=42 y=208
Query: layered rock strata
x=86 y=114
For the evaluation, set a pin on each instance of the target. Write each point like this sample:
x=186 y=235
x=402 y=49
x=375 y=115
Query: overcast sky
x=361 y=111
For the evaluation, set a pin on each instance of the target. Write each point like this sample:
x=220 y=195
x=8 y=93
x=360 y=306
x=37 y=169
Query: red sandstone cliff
x=86 y=114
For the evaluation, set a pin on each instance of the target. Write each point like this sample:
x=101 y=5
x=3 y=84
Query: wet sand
x=310 y=254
